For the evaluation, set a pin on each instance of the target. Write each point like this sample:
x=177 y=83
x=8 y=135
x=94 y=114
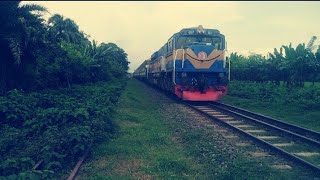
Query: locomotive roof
x=191 y=31
x=199 y=29
x=196 y=30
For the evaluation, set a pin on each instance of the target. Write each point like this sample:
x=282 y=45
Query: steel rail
x=260 y=141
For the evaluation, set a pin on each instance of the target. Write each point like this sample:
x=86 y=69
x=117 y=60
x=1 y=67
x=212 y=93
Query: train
x=191 y=65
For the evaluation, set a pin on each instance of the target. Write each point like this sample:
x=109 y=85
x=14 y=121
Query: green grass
x=309 y=84
x=158 y=141
x=291 y=112
x=223 y=161
x=144 y=147
x=306 y=84
x=308 y=118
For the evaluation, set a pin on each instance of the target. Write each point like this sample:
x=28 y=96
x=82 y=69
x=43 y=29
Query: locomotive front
x=199 y=65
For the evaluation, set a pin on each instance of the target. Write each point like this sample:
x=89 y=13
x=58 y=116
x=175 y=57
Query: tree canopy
x=290 y=65
x=36 y=54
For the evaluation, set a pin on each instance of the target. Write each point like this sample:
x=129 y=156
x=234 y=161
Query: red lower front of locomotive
x=211 y=93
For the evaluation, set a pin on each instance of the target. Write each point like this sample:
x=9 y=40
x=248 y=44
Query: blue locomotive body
x=191 y=65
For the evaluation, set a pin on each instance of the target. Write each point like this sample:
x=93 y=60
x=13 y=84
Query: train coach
x=192 y=65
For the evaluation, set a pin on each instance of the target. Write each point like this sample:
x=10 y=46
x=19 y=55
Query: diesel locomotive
x=192 y=65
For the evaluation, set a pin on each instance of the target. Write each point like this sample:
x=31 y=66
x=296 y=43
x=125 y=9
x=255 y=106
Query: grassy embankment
x=143 y=147
x=300 y=106
x=157 y=141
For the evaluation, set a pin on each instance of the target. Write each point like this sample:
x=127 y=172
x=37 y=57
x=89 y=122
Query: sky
x=141 y=28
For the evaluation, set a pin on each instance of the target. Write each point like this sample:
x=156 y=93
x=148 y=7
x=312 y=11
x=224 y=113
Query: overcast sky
x=141 y=28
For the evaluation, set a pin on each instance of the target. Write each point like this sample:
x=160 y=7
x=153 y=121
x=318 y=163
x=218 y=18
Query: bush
x=307 y=98
x=54 y=125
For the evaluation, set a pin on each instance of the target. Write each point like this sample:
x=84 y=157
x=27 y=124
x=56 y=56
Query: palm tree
x=65 y=29
x=276 y=71
x=16 y=33
x=314 y=60
x=18 y=28
x=297 y=62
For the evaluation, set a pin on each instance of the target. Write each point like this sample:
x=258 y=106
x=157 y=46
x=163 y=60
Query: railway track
x=74 y=172
x=287 y=126
x=295 y=143
x=76 y=169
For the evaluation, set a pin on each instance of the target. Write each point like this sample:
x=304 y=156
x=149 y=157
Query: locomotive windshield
x=185 y=41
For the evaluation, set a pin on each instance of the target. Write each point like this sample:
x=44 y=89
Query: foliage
x=304 y=98
x=54 y=125
x=36 y=54
x=293 y=66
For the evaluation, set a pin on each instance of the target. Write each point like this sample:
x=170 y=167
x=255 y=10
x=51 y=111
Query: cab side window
x=170 y=45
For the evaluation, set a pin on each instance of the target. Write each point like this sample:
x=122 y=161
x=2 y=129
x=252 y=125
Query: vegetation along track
x=76 y=169
x=295 y=143
x=74 y=172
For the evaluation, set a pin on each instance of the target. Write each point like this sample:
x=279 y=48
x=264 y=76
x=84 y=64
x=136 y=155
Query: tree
x=65 y=29
x=20 y=30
